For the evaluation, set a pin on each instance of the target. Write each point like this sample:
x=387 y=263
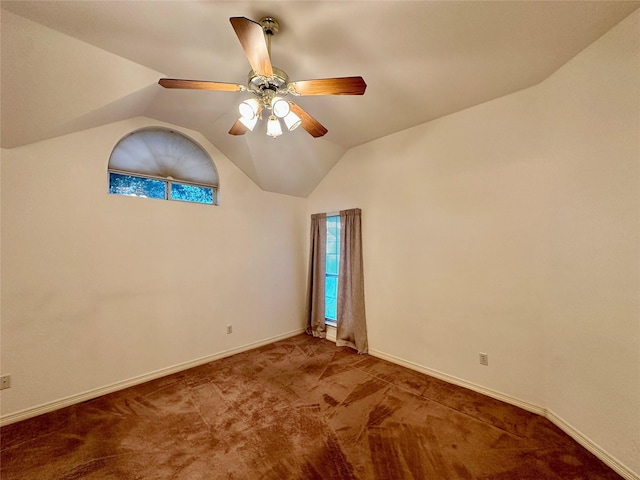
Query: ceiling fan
x=269 y=84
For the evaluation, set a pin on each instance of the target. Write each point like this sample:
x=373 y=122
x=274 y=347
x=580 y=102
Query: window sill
x=332 y=323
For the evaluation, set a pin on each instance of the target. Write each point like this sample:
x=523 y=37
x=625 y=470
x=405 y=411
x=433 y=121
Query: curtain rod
x=329 y=214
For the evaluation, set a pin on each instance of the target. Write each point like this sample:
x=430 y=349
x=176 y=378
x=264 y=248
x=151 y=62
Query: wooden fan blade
x=251 y=36
x=200 y=85
x=238 y=128
x=330 y=86
x=309 y=123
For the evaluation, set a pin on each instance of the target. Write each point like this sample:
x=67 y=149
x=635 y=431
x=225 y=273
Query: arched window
x=162 y=163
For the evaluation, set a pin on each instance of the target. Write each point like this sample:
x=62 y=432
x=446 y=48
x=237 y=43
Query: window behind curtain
x=332 y=268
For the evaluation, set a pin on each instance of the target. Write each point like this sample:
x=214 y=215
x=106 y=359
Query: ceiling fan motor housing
x=265 y=88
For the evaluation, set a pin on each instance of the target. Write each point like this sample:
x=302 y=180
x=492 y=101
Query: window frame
x=167 y=181
x=327 y=320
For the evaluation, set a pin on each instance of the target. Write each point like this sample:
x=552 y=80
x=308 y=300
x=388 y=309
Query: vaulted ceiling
x=72 y=65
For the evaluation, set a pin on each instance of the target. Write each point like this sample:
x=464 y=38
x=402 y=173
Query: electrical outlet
x=5 y=382
x=229 y=329
x=484 y=359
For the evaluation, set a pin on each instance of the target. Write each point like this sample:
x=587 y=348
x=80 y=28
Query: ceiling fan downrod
x=270 y=26
x=276 y=85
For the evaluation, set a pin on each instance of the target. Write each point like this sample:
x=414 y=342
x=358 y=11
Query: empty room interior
x=490 y=149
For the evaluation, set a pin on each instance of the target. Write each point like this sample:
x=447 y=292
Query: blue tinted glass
x=332 y=263
x=191 y=193
x=331 y=286
x=331 y=309
x=333 y=230
x=332 y=267
x=137 y=186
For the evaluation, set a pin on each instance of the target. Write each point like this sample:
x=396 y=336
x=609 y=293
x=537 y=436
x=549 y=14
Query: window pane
x=332 y=267
x=137 y=186
x=333 y=230
x=332 y=263
x=331 y=286
x=191 y=193
x=331 y=309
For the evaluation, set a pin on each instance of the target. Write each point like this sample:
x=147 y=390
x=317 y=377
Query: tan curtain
x=352 y=325
x=315 y=283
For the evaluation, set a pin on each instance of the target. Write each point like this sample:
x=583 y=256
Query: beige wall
x=98 y=289
x=592 y=325
x=512 y=228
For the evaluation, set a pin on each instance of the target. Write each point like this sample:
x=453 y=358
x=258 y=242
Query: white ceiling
x=72 y=65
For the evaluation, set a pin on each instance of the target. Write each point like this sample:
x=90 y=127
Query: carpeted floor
x=301 y=409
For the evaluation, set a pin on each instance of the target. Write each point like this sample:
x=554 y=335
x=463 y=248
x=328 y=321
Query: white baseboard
x=458 y=381
x=620 y=468
x=616 y=465
x=88 y=395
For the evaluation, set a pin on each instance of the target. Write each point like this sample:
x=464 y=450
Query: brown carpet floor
x=300 y=408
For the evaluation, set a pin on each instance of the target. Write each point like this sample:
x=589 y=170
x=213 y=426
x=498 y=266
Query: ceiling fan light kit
x=292 y=121
x=269 y=84
x=273 y=126
x=249 y=108
x=249 y=123
x=280 y=107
